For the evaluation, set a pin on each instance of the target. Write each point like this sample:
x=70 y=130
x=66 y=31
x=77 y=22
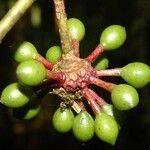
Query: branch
x=44 y=61
x=13 y=15
x=58 y=76
x=103 y=84
x=108 y=72
x=91 y=100
x=95 y=54
x=100 y=101
x=62 y=25
x=75 y=46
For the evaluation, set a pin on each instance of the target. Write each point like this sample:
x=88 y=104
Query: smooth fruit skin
x=63 y=120
x=108 y=109
x=102 y=64
x=124 y=97
x=76 y=29
x=15 y=95
x=118 y=115
x=137 y=74
x=106 y=128
x=113 y=37
x=26 y=113
x=31 y=72
x=31 y=113
x=83 y=126
x=54 y=54
x=25 y=51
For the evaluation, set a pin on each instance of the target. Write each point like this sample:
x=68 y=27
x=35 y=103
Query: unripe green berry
x=113 y=37
x=76 y=29
x=109 y=109
x=31 y=113
x=25 y=51
x=54 y=54
x=118 y=115
x=31 y=72
x=15 y=95
x=83 y=126
x=137 y=74
x=106 y=128
x=63 y=120
x=124 y=97
x=26 y=112
x=102 y=64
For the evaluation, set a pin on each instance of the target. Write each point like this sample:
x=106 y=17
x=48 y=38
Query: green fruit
x=63 y=120
x=31 y=72
x=26 y=112
x=102 y=64
x=137 y=74
x=124 y=97
x=118 y=115
x=25 y=51
x=113 y=37
x=54 y=54
x=83 y=126
x=31 y=113
x=15 y=95
x=106 y=128
x=76 y=29
x=109 y=110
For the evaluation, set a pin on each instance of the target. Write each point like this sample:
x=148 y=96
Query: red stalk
x=91 y=100
x=103 y=84
x=108 y=72
x=100 y=101
x=96 y=53
x=45 y=62
x=57 y=76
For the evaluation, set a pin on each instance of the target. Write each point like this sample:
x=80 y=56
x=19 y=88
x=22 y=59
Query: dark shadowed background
x=38 y=27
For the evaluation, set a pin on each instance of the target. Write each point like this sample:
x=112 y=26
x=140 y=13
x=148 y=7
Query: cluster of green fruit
x=106 y=124
x=31 y=72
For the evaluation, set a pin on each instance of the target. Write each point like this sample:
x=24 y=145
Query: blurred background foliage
x=39 y=27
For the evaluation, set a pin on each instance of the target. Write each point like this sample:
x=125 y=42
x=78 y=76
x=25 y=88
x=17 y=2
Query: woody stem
x=62 y=25
x=13 y=15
